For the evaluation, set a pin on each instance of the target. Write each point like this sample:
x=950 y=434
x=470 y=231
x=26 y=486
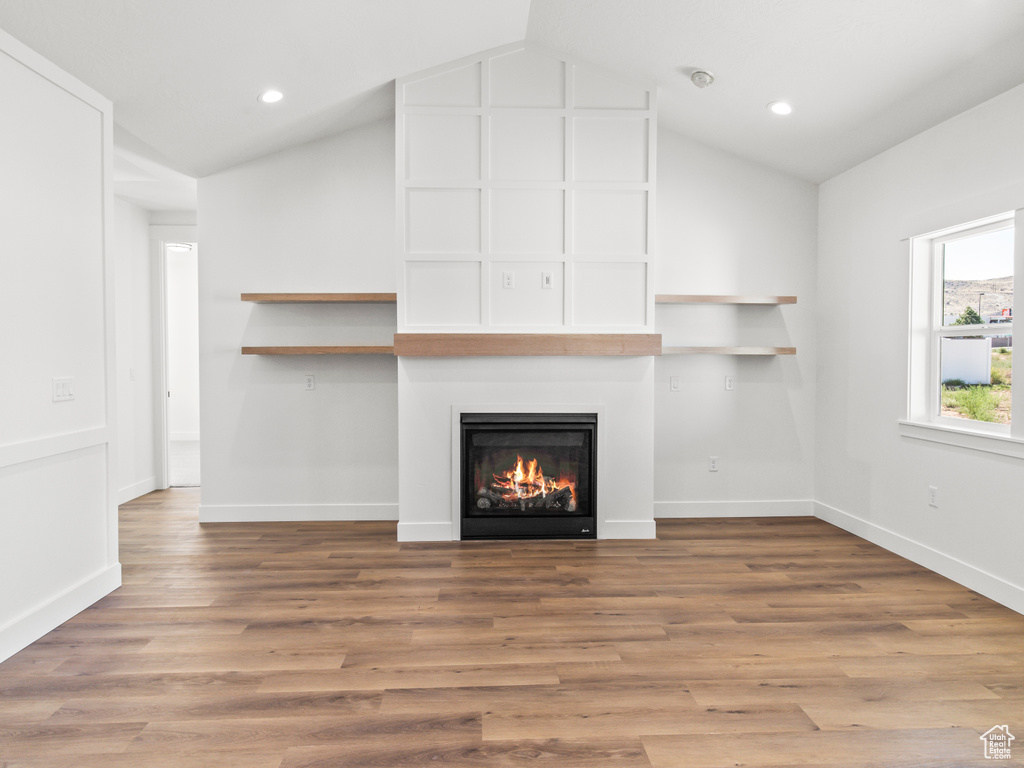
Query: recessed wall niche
x=537 y=168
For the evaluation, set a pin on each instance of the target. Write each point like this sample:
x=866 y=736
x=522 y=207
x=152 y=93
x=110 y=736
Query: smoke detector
x=702 y=79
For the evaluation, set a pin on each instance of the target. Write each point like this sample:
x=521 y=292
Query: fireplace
x=528 y=475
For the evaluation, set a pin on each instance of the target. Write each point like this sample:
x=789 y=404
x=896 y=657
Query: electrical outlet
x=547 y=280
x=508 y=279
x=712 y=463
x=673 y=383
x=730 y=383
x=933 y=496
x=310 y=382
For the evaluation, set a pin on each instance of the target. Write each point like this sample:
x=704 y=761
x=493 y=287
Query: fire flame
x=527 y=482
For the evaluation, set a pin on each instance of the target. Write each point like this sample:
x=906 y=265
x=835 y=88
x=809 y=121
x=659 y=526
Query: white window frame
x=923 y=418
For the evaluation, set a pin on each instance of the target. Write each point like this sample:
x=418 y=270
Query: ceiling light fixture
x=271 y=97
x=702 y=78
x=780 y=108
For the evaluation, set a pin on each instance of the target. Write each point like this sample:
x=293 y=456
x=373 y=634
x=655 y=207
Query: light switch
x=63 y=388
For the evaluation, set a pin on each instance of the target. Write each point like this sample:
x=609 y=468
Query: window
x=975 y=365
x=961 y=341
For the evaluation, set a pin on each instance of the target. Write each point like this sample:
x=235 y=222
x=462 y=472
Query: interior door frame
x=159 y=236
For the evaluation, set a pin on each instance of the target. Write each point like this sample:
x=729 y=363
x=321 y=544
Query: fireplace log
x=561 y=498
x=493 y=499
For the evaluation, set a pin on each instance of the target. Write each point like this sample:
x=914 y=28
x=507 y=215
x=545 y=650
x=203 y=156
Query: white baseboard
x=626 y=529
x=982 y=582
x=29 y=627
x=280 y=513
x=425 y=531
x=186 y=436
x=683 y=509
x=135 y=490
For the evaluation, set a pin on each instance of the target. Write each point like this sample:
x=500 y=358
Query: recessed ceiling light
x=780 y=108
x=271 y=97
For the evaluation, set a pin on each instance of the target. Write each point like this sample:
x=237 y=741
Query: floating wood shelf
x=672 y=298
x=320 y=298
x=526 y=344
x=318 y=350
x=515 y=345
x=729 y=351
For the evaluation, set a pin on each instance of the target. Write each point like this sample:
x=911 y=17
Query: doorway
x=181 y=304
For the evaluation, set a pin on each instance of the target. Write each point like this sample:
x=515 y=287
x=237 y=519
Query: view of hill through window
x=977 y=289
x=978 y=273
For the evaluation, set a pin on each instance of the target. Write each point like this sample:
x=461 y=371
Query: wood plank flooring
x=741 y=642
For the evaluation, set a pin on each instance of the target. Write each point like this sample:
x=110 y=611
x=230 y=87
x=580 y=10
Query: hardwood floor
x=753 y=642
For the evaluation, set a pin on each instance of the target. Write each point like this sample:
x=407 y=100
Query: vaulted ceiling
x=862 y=75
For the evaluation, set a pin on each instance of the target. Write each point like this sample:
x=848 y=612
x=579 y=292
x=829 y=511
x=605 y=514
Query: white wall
x=320 y=217
x=182 y=302
x=58 y=515
x=520 y=163
x=729 y=226
x=869 y=479
x=136 y=422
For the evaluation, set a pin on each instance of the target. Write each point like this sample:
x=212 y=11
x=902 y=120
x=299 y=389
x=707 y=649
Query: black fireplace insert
x=529 y=475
